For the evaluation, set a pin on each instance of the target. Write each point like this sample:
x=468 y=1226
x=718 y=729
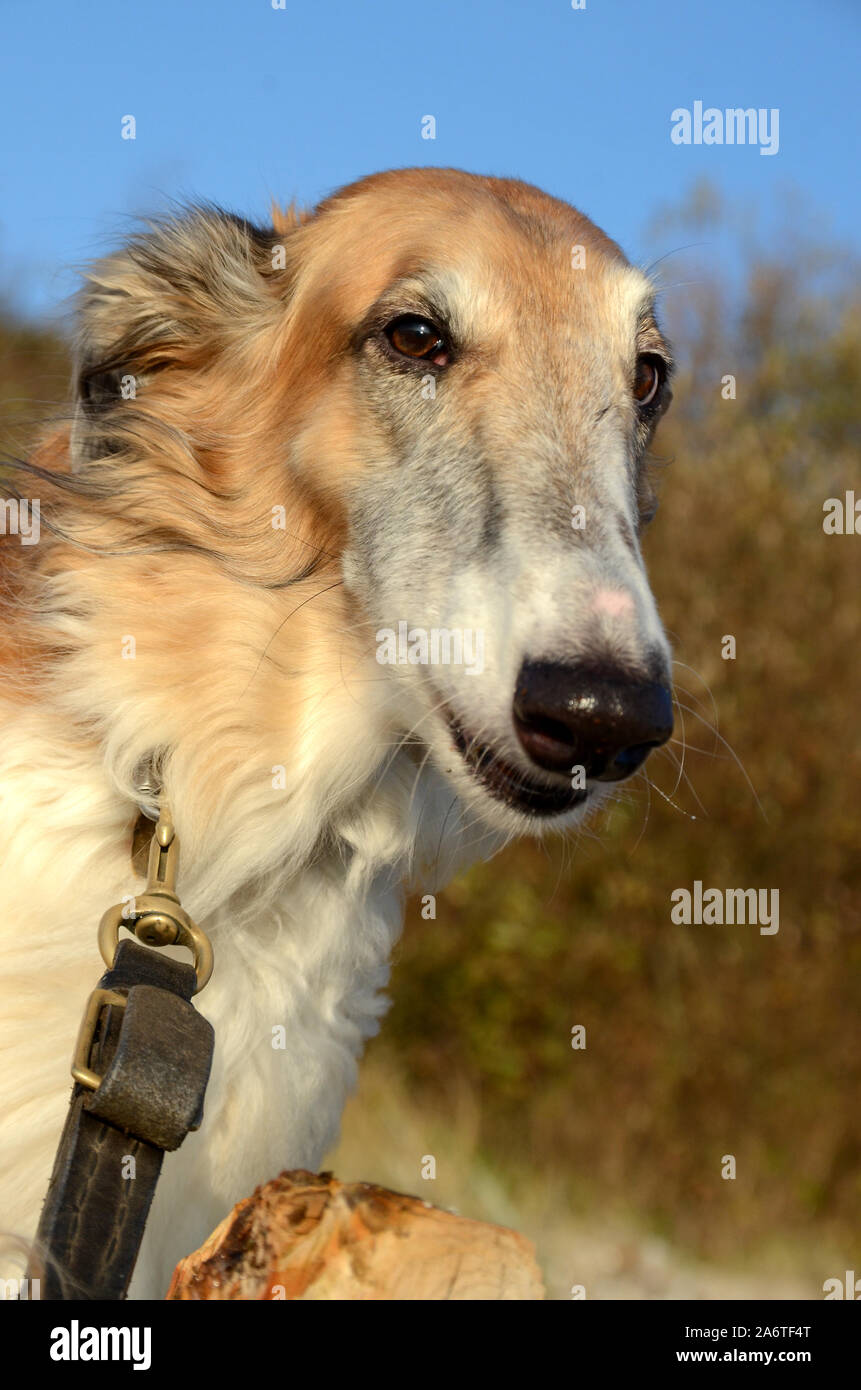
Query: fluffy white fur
x=303 y=946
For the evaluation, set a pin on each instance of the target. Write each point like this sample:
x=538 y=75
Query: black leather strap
x=154 y=1057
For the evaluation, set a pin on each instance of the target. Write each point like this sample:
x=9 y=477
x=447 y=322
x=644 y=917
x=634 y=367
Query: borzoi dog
x=421 y=410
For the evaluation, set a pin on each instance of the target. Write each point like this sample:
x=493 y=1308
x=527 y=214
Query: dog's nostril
x=630 y=759
x=605 y=721
x=548 y=742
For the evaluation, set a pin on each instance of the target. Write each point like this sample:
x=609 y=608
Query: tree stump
x=308 y=1236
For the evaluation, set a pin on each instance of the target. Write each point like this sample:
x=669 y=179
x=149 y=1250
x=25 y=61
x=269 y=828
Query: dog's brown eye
x=648 y=378
x=416 y=337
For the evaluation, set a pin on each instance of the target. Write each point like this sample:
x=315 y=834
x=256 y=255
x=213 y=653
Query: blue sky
x=237 y=102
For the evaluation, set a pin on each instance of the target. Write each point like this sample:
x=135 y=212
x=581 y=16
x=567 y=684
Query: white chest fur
x=302 y=959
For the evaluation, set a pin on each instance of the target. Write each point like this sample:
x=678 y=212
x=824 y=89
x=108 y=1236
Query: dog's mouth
x=508 y=783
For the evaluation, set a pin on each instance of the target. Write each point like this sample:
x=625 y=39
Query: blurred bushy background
x=701 y=1041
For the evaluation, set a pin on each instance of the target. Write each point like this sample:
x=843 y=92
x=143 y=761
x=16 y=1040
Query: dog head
x=455 y=379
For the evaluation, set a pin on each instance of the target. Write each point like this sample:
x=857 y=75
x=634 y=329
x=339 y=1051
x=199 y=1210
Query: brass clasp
x=157 y=918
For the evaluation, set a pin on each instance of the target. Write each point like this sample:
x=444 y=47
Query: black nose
x=600 y=719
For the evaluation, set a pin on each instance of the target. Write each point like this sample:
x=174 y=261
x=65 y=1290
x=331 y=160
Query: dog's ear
x=171 y=298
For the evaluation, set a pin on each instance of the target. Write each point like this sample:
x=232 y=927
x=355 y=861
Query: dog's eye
x=415 y=337
x=648 y=379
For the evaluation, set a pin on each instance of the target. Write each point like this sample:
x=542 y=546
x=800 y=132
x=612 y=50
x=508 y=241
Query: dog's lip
x=508 y=783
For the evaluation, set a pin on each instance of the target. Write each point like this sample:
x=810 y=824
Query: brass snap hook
x=158 y=919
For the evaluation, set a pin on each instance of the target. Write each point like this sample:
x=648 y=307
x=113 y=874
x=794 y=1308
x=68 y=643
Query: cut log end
x=309 y=1236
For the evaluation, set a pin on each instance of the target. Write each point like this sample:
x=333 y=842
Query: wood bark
x=309 y=1236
